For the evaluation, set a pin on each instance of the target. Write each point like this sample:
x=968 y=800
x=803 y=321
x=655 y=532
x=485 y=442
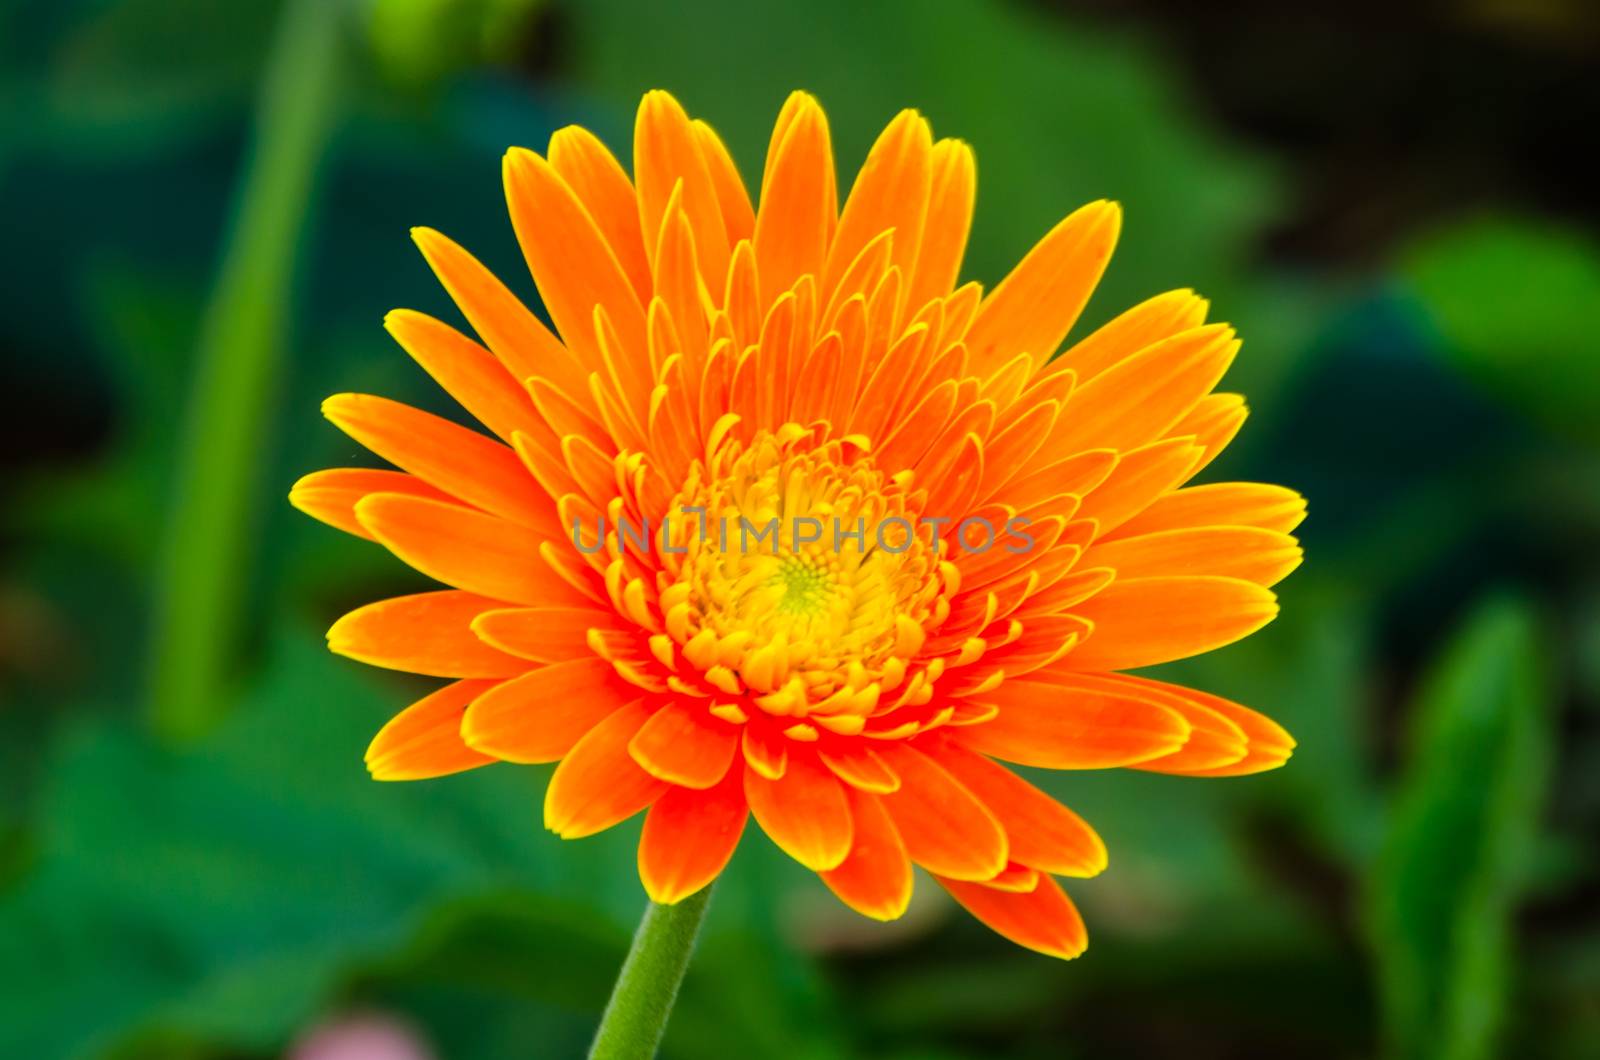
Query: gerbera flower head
x=788 y=524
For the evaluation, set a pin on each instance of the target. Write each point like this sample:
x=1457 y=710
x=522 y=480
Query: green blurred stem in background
x=636 y=1015
x=199 y=598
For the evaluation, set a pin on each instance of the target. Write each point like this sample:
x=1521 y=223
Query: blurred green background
x=205 y=211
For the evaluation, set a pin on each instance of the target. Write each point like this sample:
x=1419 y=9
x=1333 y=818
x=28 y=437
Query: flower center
x=805 y=581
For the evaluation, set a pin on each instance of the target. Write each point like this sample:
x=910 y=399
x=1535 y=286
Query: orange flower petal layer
x=805 y=811
x=597 y=783
x=1043 y=724
x=689 y=836
x=790 y=358
x=1043 y=833
x=541 y=715
x=875 y=878
x=1043 y=919
x=424 y=740
x=944 y=826
x=428 y=633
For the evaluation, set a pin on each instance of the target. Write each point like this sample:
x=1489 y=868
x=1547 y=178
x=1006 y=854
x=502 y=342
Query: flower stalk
x=198 y=591
x=641 y=1002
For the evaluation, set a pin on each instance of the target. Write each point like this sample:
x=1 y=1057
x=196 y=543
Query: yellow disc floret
x=807 y=581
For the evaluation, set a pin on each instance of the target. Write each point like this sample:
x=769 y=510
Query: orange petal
x=689 y=836
x=954 y=467
x=1010 y=452
x=1146 y=323
x=1077 y=474
x=1136 y=401
x=890 y=192
x=468 y=372
x=918 y=429
x=463 y=463
x=1044 y=639
x=1034 y=307
x=680 y=287
x=521 y=341
x=1214 y=741
x=814 y=391
x=738 y=219
x=1219 y=504
x=860 y=278
x=539 y=716
x=666 y=153
x=547 y=634
x=1068 y=591
x=1145 y=621
x=428 y=633
x=944 y=826
x=766 y=753
x=875 y=879
x=860 y=767
x=424 y=740
x=331 y=495
x=1256 y=555
x=562 y=415
x=684 y=745
x=1042 y=725
x=805 y=811
x=1141 y=476
x=1043 y=919
x=795 y=221
x=598 y=784
x=598 y=180
x=460 y=547
x=1269 y=744
x=944 y=236
x=1014 y=878
x=1215 y=421
x=569 y=258
x=1043 y=833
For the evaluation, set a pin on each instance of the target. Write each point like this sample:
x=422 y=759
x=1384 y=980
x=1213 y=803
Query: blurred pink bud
x=362 y=1037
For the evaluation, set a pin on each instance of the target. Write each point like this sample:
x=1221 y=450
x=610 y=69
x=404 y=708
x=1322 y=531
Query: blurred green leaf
x=229 y=888
x=230 y=891
x=1464 y=822
x=1513 y=301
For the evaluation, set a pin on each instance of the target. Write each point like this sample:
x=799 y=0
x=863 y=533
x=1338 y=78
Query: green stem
x=198 y=593
x=636 y=1015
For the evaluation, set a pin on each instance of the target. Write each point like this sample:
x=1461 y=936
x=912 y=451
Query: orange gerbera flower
x=854 y=676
